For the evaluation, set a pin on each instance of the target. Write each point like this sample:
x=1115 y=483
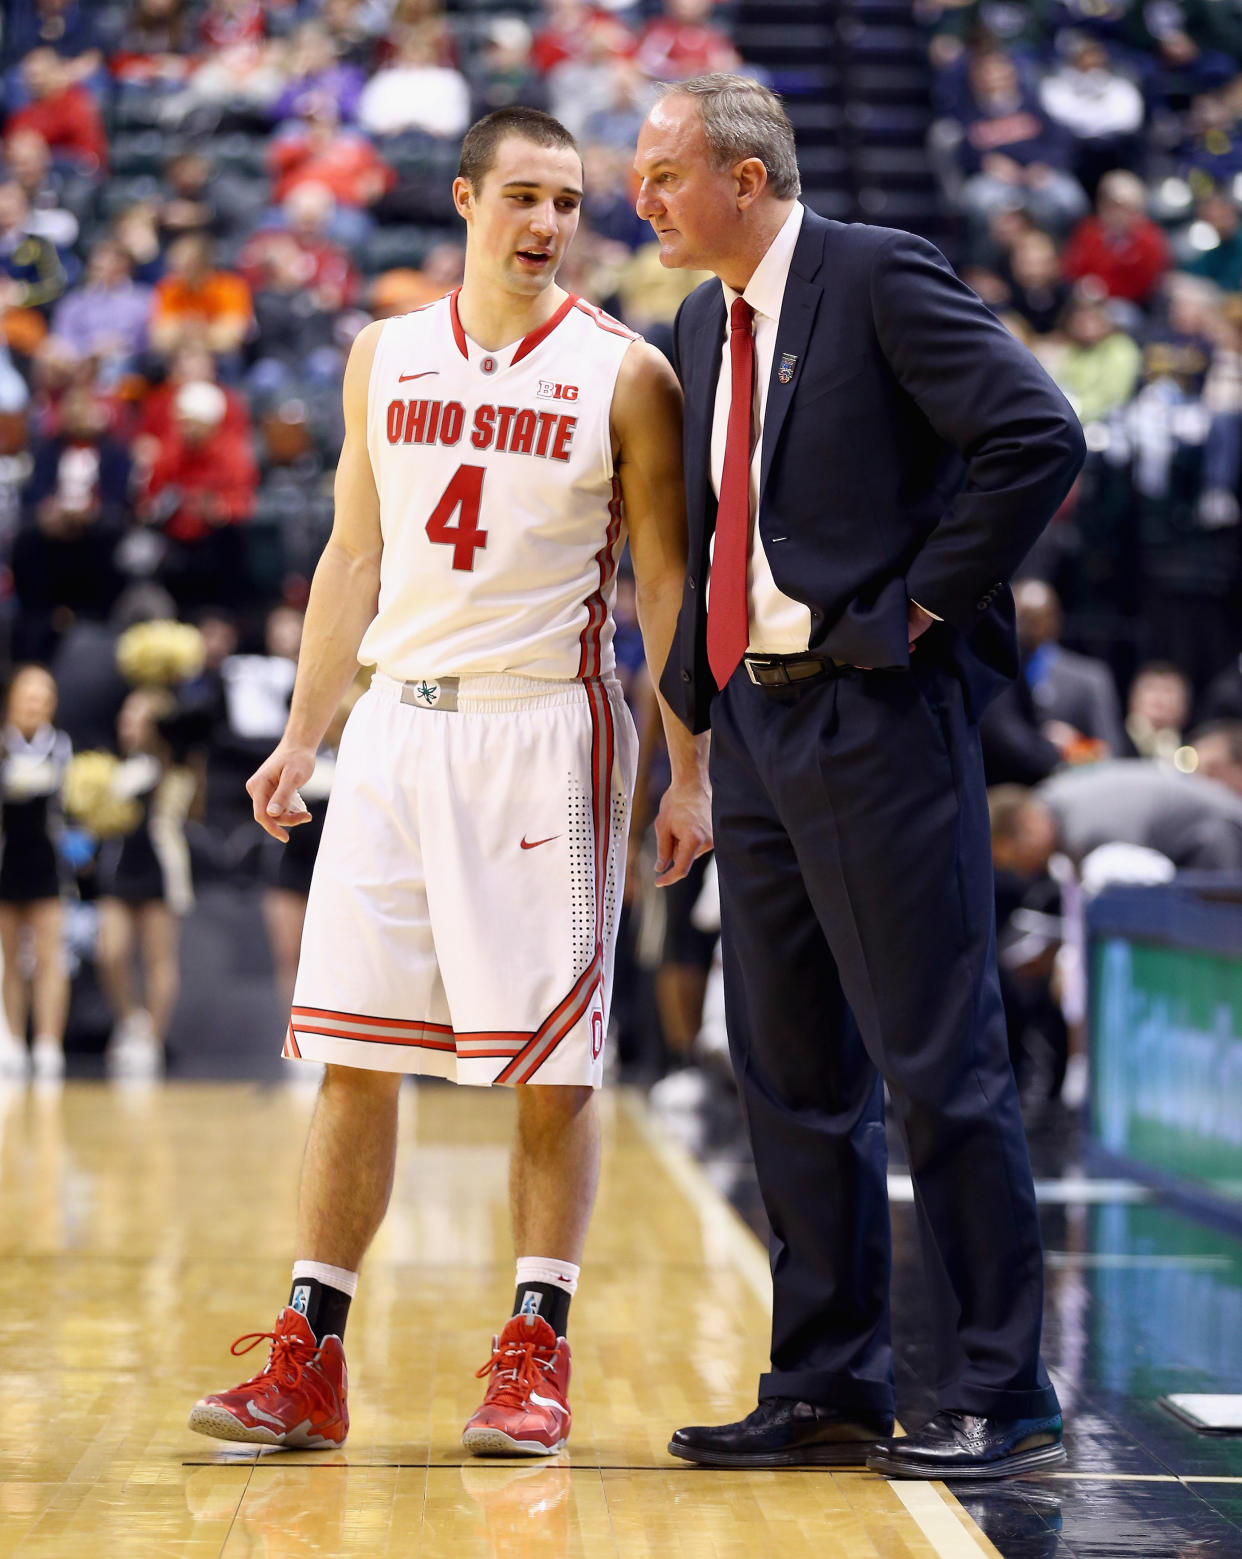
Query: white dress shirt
x=779 y=625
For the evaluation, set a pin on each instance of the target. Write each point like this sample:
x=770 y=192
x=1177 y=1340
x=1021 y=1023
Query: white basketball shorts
x=463 y=909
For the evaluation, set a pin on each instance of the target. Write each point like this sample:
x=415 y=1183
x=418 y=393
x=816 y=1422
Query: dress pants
x=854 y=855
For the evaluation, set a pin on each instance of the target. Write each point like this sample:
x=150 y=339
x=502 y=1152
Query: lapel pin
x=789 y=362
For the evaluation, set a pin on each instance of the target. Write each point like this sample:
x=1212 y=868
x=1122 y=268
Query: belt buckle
x=778 y=675
x=425 y=694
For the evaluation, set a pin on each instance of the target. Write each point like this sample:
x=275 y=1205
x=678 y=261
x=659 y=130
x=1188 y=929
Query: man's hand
x=683 y=830
x=917 y=623
x=273 y=788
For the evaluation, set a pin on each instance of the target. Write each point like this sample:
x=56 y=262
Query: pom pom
x=160 y=654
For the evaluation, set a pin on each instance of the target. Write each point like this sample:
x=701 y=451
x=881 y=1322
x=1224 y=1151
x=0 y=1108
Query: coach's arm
x=344 y=598
x=646 y=432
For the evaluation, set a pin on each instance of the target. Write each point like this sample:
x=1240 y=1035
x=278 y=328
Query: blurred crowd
x=1091 y=157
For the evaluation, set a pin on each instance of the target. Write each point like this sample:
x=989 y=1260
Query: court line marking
x=1072 y=1189
x=938 y=1521
x=933 y=1508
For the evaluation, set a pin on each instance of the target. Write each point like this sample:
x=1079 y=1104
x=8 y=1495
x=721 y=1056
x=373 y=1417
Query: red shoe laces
x=512 y=1382
x=284 y=1366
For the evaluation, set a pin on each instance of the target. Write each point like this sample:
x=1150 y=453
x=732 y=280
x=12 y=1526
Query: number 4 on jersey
x=464 y=492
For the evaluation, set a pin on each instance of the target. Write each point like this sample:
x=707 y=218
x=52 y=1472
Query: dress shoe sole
x=1041 y=1459
x=847 y=1454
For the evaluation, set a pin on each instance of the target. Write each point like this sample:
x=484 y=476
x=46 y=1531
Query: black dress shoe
x=960 y=1445
x=782 y=1433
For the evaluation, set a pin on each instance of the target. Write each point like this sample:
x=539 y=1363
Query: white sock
x=334 y=1277
x=541 y=1269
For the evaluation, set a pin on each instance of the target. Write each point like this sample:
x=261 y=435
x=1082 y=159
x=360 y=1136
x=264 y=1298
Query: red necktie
x=728 y=626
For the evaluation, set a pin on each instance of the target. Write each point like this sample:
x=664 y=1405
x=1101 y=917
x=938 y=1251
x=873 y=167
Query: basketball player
x=499 y=444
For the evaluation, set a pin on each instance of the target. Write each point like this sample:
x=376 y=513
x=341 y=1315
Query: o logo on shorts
x=597 y=1034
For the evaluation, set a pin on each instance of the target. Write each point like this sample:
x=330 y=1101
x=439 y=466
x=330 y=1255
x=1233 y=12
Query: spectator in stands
x=1119 y=246
x=683 y=43
x=62 y=111
x=1098 y=106
x=137 y=231
x=1037 y=290
x=1220 y=261
x=296 y=338
x=55 y=198
x=186 y=203
x=402 y=290
x=1096 y=364
x=570 y=32
x=75 y=507
x=189 y=364
x=199 y=495
x=154 y=49
x=235 y=71
x=1010 y=154
x=319 y=150
x=1071 y=691
x=1157 y=710
x=106 y=318
x=1218 y=753
x=415 y=92
x=623 y=107
x=355 y=27
x=504 y=73
x=1195 y=823
x=1212 y=154
x=609 y=204
x=316 y=75
x=585 y=78
x=65 y=27
x=32 y=278
x=197 y=302
x=326 y=267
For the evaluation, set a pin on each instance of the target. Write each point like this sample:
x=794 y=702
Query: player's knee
x=358 y=1081
x=544 y=1105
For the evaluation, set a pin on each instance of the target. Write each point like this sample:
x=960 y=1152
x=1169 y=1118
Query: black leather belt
x=781 y=670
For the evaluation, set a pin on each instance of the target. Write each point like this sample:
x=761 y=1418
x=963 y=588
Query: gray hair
x=741 y=118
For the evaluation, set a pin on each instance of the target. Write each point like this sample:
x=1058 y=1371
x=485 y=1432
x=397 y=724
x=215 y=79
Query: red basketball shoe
x=298 y=1400
x=526 y=1409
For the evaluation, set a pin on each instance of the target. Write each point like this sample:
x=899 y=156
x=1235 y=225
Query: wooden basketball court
x=142 y=1231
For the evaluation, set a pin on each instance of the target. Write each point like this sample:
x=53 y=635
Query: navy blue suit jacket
x=912 y=449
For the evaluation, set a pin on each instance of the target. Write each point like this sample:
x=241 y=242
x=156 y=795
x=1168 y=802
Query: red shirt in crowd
x=1129 y=266
x=70 y=124
x=326 y=268
x=556 y=45
x=215 y=480
x=678 y=50
x=156 y=417
x=348 y=165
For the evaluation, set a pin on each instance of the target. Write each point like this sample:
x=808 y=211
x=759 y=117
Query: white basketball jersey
x=499 y=506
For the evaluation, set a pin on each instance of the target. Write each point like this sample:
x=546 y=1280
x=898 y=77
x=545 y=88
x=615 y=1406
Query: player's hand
x=683 y=829
x=273 y=789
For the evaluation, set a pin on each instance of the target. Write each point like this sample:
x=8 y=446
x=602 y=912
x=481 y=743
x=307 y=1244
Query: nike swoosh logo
x=257 y=1412
x=546 y=1402
x=426 y=374
x=533 y=844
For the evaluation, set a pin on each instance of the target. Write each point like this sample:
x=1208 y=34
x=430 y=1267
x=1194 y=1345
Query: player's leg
x=553 y=1175
x=299 y=1399
x=50 y=993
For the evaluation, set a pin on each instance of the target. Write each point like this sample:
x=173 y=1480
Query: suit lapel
x=703 y=373
x=793 y=334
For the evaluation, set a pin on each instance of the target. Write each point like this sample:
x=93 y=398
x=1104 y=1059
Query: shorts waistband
x=492 y=694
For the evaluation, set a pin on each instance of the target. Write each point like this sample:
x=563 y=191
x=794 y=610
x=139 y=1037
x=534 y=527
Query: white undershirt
x=779 y=625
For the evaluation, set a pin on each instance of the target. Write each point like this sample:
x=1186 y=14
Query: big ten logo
x=550 y=391
x=597 y=1034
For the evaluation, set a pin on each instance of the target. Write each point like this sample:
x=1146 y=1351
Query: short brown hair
x=479 y=146
x=742 y=118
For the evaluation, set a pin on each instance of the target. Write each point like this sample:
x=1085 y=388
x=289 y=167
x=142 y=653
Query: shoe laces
x=286 y=1363
x=515 y=1372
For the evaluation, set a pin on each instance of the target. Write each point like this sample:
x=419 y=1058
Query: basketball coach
x=869 y=455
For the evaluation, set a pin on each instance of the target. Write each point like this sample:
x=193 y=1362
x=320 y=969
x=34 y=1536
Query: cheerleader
x=32 y=769
x=144 y=887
